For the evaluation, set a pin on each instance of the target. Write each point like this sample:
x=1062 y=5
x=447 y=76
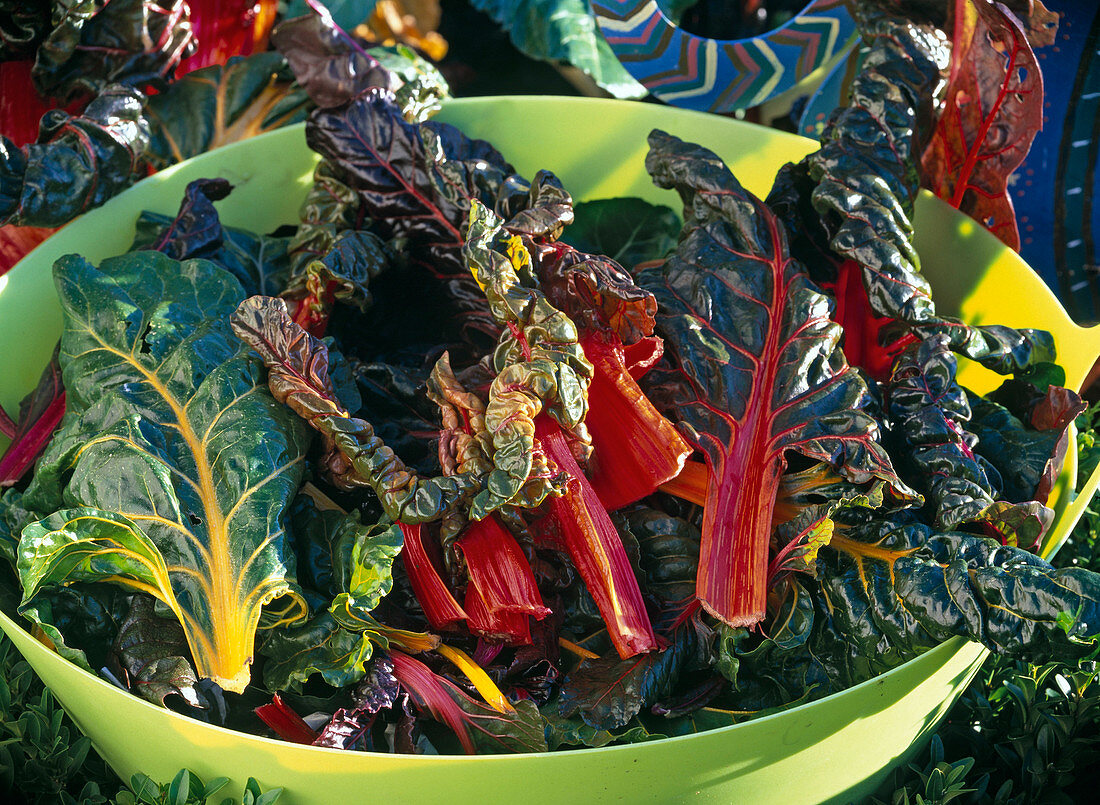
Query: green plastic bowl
x=838 y=748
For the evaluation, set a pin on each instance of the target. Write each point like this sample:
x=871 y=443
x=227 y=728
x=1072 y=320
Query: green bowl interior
x=838 y=747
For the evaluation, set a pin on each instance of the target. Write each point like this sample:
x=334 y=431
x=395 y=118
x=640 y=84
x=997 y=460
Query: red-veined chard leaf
x=174 y=468
x=993 y=108
x=97 y=42
x=415 y=183
x=608 y=692
x=478 y=727
x=259 y=262
x=77 y=163
x=23 y=28
x=752 y=336
x=853 y=199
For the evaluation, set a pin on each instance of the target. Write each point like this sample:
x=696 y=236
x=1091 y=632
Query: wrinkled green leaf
x=153 y=653
x=321 y=646
x=608 y=692
x=173 y=437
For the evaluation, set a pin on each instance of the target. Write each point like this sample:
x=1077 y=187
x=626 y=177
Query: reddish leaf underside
x=993 y=109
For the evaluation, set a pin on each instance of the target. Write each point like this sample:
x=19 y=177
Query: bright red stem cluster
x=226 y=28
x=635 y=448
x=440 y=607
x=579 y=523
x=502 y=595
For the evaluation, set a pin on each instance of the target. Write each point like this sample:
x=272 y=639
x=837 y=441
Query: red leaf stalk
x=26 y=449
x=428 y=692
x=502 y=593
x=287 y=724
x=733 y=561
x=635 y=448
x=581 y=525
x=431 y=591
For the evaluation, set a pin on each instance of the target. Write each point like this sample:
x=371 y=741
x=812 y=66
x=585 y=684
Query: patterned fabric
x=714 y=75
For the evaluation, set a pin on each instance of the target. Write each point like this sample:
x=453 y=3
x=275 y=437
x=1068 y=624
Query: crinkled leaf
x=572 y=731
x=993 y=108
x=853 y=199
x=81 y=620
x=40 y=413
x=173 y=438
x=362 y=564
x=77 y=163
x=1027 y=460
x=415 y=183
x=22 y=27
x=321 y=646
x=928 y=413
x=899 y=588
x=540 y=364
x=196 y=231
x=669 y=548
x=153 y=653
x=354 y=456
x=98 y=42
x=628 y=230
x=608 y=692
x=393 y=396
x=563 y=31
x=222 y=104
x=752 y=336
x=328 y=63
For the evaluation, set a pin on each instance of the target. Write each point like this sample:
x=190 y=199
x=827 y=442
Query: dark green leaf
x=628 y=230
x=608 y=692
x=77 y=163
x=99 y=42
x=153 y=653
x=322 y=646
x=221 y=104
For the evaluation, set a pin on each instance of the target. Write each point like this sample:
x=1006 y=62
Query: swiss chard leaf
x=221 y=104
x=993 y=108
x=607 y=693
x=22 y=28
x=415 y=183
x=897 y=588
x=354 y=456
x=322 y=646
x=77 y=163
x=98 y=42
x=173 y=448
x=840 y=206
x=628 y=230
x=752 y=336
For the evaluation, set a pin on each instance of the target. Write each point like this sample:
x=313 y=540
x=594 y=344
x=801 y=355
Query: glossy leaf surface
x=177 y=450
